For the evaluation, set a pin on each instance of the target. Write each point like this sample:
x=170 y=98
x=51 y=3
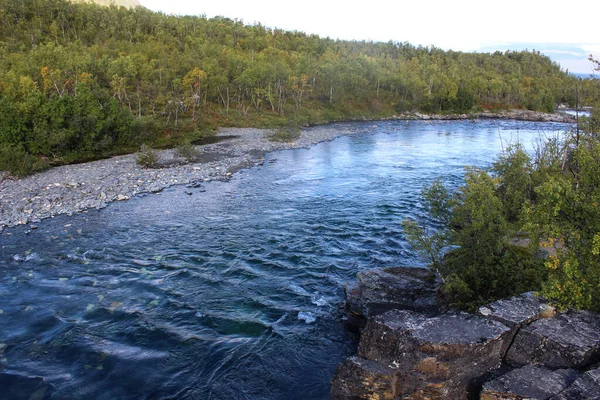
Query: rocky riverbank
x=412 y=348
x=74 y=188
x=519 y=115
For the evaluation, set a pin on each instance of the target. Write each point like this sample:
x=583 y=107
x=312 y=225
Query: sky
x=567 y=34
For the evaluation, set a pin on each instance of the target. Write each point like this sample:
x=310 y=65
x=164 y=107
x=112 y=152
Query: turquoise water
x=235 y=291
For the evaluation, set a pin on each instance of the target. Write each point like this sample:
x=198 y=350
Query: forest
x=80 y=81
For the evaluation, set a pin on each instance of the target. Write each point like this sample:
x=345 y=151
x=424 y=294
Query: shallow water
x=234 y=291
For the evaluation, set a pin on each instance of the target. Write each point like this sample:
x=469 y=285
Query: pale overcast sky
x=464 y=25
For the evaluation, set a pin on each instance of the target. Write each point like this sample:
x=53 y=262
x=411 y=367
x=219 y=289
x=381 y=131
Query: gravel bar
x=73 y=188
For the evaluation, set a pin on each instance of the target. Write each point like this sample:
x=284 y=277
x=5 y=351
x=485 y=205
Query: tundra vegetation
x=81 y=81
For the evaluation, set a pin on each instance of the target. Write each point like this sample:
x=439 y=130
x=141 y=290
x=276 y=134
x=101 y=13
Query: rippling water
x=234 y=291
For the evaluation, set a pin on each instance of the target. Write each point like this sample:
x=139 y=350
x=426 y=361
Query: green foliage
x=462 y=103
x=566 y=219
x=457 y=293
x=81 y=79
x=430 y=245
x=147 y=157
x=188 y=151
x=288 y=133
x=20 y=163
x=481 y=265
x=145 y=129
x=554 y=197
x=515 y=186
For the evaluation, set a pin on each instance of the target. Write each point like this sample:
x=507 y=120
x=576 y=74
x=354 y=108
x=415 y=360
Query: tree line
x=80 y=80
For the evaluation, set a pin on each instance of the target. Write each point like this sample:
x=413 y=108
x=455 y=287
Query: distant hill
x=124 y=3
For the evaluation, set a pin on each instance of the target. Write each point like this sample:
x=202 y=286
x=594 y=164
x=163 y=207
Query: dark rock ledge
x=412 y=348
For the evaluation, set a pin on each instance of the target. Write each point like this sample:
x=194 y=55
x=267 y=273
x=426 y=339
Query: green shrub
x=145 y=130
x=288 y=133
x=147 y=157
x=188 y=151
x=482 y=265
x=20 y=163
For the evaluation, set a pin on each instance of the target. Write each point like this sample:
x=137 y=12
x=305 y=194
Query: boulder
x=435 y=356
x=358 y=378
x=385 y=289
x=518 y=311
x=584 y=388
x=569 y=340
x=528 y=382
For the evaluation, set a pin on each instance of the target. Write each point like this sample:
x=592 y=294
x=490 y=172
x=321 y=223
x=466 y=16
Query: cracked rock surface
x=529 y=382
x=569 y=340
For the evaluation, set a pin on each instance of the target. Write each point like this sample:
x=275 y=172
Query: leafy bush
x=188 y=151
x=481 y=265
x=145 y=129
x=147 y=157
x=565 y=219
x=20 y=163
x=288 y=133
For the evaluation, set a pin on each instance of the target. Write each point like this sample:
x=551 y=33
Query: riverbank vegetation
x=530 y=222
x=80 y=81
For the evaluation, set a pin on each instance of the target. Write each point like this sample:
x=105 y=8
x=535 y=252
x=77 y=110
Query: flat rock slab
x=385 y=289
x=528 y=382
x=585 y=388
x=518 y=310
x=358 y=378
x=569 y=340
x=437 y=356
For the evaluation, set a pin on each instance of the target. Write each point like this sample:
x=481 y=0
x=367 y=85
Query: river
x=232 y=290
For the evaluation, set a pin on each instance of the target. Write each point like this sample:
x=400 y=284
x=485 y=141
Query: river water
x=235 y=290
